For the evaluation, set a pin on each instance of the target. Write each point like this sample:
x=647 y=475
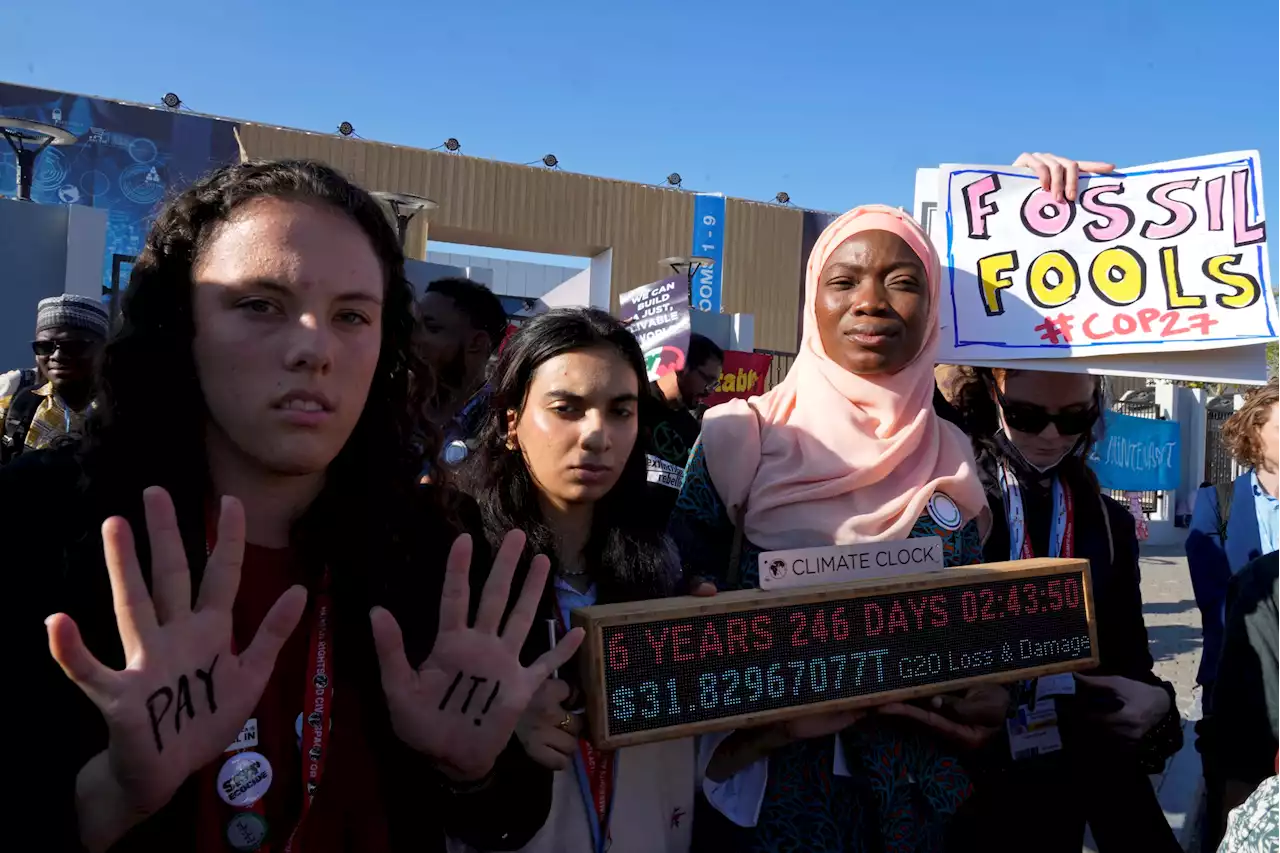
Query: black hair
x=627 y=545
x=148 y=426
x=980 y=417
x=477 y=302
x=701 y=350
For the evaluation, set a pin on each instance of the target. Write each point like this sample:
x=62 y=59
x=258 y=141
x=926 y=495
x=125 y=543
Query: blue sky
x=836 y=103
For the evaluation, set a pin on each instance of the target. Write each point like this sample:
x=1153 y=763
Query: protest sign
x=1137 y=454
x=658 y=315
x=1156 y=259
x=742 y=376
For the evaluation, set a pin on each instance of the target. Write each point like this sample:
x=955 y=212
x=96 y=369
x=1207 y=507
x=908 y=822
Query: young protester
x=1231 y=524
x=70 y=331
x=846 y=449
x=673 y=415
x=270 y=308
x=675 y=426
x=560 y=456
x=1246 y=695
x=461 y=324
x=1032 y=432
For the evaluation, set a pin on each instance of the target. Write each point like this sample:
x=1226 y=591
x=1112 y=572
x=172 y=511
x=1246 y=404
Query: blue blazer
x=1213 y=562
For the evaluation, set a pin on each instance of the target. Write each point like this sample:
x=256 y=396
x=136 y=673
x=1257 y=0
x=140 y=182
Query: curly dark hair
x=981 y=419
x=148 y=426
x=1242 y=431
x=629 y=546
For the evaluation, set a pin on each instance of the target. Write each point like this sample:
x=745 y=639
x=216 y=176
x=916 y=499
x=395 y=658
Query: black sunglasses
x=74 y=348
x=1032 y=419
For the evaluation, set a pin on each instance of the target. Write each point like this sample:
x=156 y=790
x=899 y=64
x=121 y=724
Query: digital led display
x=685 y=665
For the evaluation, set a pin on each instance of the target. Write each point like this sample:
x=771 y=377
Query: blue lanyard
x=599 y=831
x=1016 y=515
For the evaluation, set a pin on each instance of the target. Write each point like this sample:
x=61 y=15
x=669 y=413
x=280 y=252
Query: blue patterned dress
x=905 y=786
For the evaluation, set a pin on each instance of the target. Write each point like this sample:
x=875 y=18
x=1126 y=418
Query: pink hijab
x=830 y=457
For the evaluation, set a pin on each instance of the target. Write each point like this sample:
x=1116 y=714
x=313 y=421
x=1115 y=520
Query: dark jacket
x=1117 y=579
x=50 y=524
x=1094 y=779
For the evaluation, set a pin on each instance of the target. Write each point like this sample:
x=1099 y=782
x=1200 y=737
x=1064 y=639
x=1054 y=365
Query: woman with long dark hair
x=1032 y=433
x=249 y=470
x=559 y=456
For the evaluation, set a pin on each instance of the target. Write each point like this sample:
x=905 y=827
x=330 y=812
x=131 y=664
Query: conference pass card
x=656 y=670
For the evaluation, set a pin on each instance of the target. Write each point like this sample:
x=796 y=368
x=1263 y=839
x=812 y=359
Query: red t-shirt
x=348 y=812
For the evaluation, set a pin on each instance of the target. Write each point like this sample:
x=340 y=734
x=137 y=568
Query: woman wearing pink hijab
x=847 y=449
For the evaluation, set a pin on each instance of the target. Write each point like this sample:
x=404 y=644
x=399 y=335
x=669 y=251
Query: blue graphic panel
x=1137 y=454
x=128 y=159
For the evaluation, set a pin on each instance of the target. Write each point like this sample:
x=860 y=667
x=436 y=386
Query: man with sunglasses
x=70 y=332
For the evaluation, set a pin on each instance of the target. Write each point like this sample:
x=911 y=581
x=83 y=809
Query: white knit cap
x=72 y=311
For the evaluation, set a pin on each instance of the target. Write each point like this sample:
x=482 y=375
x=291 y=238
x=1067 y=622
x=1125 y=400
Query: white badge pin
x=944 y=511
x=248 y=737
x=244 y=778
x=246 y=831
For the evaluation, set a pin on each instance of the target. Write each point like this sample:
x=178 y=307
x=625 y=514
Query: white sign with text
x=844 y=563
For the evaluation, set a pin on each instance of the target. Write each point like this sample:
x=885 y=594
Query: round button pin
x=246 y=831
x=244 y=778
x=944 y=511
x=456 y=451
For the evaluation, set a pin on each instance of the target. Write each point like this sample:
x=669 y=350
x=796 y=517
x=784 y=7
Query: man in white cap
x=70 y=332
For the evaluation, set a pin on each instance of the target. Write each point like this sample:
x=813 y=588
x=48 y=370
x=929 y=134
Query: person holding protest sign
x=560 y=454
x=846 y=449
x=181 y=708
x=1085 y=753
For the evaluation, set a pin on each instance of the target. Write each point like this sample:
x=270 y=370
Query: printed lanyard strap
x=597 y=773
x=1061 y=528
x=317 y=705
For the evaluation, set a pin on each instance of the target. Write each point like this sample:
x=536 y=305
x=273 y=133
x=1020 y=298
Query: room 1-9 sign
x=656 y=670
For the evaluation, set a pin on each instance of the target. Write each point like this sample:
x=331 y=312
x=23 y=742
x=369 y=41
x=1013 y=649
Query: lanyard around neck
x=1062 y=524
x=317 y=704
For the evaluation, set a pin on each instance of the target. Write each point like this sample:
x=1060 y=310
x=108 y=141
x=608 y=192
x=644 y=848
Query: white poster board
x=1159 y=270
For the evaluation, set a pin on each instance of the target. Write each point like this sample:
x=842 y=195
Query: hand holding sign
x=1059 y=176
x=462 y=704
x=183 y=694
x=970 y=720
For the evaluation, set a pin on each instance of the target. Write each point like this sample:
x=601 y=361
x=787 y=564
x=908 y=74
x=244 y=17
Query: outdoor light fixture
x=674 y=179
x=782 y=198
x=550 y=161
x=28 y=139
x=452 y=145
x=404 y=206
x=346 y=129
x=688 y=267
x=171 y=100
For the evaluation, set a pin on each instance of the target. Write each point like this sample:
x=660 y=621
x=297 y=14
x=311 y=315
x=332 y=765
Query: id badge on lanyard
x=1033 y=729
